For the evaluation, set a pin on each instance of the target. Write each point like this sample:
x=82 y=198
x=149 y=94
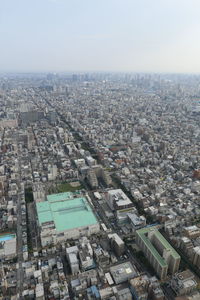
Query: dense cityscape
x=99 y=186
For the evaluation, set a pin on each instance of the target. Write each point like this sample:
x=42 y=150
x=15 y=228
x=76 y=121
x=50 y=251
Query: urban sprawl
x=100 y=186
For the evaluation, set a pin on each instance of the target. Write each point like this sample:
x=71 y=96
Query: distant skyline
x=100 y=35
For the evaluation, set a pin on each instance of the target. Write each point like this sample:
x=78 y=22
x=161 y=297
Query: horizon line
x=96 y=71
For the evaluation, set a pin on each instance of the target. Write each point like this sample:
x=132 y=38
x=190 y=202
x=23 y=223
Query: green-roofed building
x=64 y=216
x=158 y=251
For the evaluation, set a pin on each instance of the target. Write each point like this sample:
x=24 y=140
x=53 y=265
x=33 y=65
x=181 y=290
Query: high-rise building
x=92 y=178
x=158 y=251
x=117 y=243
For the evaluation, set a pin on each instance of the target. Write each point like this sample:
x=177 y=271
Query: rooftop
x=65 y=211
x=123 y=270
x=60 y=197
x=7 y=237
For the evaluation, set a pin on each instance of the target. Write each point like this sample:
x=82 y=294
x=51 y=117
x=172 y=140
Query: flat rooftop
x=143 y=235
x=8 y=242
x=119 y=197
x=7 y=237
x=65 y=211
x=60 y=197
x=123 y=271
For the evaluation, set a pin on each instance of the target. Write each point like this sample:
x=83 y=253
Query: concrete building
x=107 y=293
x=158 y=251
x=122 y=215
x=196 y=256
x=62 y=217
x=79 y=162
x=93 y=293
x=39 y=292
x=90 y=161
x=52 y=172
x=155 y=291
x=86 y=254
x=84 y=280
x=124 y=294
x=8 y=248
x=117 y=199
x=136 y=221
x=123 y=272
x=109 y=278
x=192 y=232
x=116 y=243
x=92 y=178
x=51 y=115
x=186 y=245
x=31 y=116
x=106 y=177
x=183 y=283
x=38 y=192
x=6 y=123
x=71 y=254
x=102 y=257
x=139 y=287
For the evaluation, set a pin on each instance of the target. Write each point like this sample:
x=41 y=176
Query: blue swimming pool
x=6 y=237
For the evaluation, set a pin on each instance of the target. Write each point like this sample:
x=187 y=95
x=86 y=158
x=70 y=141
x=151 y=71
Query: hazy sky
x=100 y=35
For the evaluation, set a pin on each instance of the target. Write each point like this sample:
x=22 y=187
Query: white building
x=117 y=199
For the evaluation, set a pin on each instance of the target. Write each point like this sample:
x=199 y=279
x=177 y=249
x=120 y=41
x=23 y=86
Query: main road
x=20 y=271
